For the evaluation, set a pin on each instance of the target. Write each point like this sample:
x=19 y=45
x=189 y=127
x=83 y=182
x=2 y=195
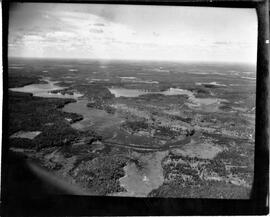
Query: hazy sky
x=132 y=32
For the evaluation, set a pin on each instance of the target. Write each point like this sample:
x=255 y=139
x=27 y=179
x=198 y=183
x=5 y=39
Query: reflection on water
x=210 y=104
x=118 y=92
x=124 y=92
x=144 y=172
x=142 y=175
x=108 y=125
x=44 y=90
x=103 y=122
x=214 y=83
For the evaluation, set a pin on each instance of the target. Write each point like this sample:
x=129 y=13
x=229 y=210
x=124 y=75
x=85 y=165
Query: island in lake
x=136 y=128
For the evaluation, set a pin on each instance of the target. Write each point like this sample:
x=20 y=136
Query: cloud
x=95 y=30
x=99 y=24
x=222 y=43
x=62 y=31
x=156 y=34
x=77 y=29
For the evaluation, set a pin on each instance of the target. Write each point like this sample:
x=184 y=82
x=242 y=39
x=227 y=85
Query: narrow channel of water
x=141 y=177
x=103 y=123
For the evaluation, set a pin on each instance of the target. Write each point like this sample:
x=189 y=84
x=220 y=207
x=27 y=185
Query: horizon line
x=136 y=60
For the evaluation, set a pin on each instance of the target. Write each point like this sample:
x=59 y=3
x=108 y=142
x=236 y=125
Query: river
x=141 y=177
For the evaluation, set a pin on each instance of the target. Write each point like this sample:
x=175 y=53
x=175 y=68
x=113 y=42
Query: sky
x=132 y=32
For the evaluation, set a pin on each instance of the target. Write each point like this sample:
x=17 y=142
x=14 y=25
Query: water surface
x=144 y=176
x=210 y=104
x=102 y=121
x=44 y=90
